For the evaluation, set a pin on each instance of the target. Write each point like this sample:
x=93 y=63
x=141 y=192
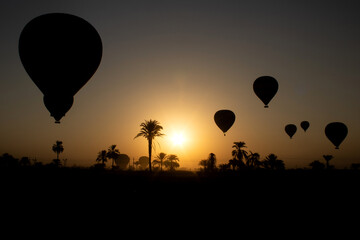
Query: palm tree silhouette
x=102 y=157
x=327 y=159
x=58 y=148
x=149 y=130
x=172 y=162
x=239 y=153
x=272 y=162
x=254 y=160
x=160 y=158
x=113 y=154
x=212 y=161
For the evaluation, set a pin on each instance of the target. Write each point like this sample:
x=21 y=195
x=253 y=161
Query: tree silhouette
x=204 y=164
x=7 y=160
x=24 y=162
x=112 y=153
x=272 y=162
x=327 y=159
x=239 y=154
x=253 y=160
x=209 y=164
x=160 y=158
x=149 y=130
x=102 y=157
x=212 y=162
x=317 y=165
x=233 y=163
x=58 y=148
x=172 y=162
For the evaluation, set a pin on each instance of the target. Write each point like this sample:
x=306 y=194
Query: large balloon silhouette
x=60 y=52
x=224 y=119
x=336 y=132
x=290 y=129
x=304 y=125
x=265 y=88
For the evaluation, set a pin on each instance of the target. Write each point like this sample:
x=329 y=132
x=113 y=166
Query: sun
x=178 y=139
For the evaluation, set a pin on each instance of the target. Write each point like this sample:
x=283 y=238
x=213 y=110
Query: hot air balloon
x=60 y=52
x=265 y=88
x=224 y=119
x=336 y=132
x=290 y=129
x=304 y=125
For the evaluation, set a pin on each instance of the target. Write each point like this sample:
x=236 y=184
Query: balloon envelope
x=304 y=125
x=224 y=119
x=122 y=161
x=60 y=52
x=290 y=129
x=336 y=132
x=265 y=88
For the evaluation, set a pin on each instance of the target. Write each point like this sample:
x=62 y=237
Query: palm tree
x=160 y=158
x=272 y=162
x=112 y=153
x=212 y=162
x=327 y=159
x=239 y=153
x=209 y=164
x=253 y=160
x=102 y=157
x=149 y=130
x=172 y=162
x=58 y=148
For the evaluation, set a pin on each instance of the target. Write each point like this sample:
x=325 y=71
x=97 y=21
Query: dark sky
x=179 y=62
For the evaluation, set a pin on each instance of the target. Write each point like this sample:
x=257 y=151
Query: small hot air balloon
x=304 y=125
x=336 y=132
x=290 y=129
x=265 y=88
x=60 y=52
x=224 y=119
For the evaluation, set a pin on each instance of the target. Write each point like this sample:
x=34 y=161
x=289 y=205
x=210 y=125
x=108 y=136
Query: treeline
x=244 y=160
x=241 y=160
x=122 y=161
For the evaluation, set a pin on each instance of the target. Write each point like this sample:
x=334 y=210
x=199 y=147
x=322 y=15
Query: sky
x=179 y=62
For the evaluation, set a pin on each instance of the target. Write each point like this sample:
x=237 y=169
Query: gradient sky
x=179 y=62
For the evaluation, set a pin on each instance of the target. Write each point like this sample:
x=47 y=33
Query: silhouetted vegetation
x=327 y=159
x=171 y=162
x=112 y=153
x=317 y=165
x=208 y=165
x=101 y=158
x=58 y=148
x=160 y=158
x=266 y=182
x=242 y=160
x=149 y=130
x=118 y=160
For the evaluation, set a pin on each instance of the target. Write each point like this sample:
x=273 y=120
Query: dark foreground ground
x=28 y=183
x=66 y=198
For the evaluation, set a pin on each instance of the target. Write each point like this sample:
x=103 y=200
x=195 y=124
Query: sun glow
x=178 y=139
